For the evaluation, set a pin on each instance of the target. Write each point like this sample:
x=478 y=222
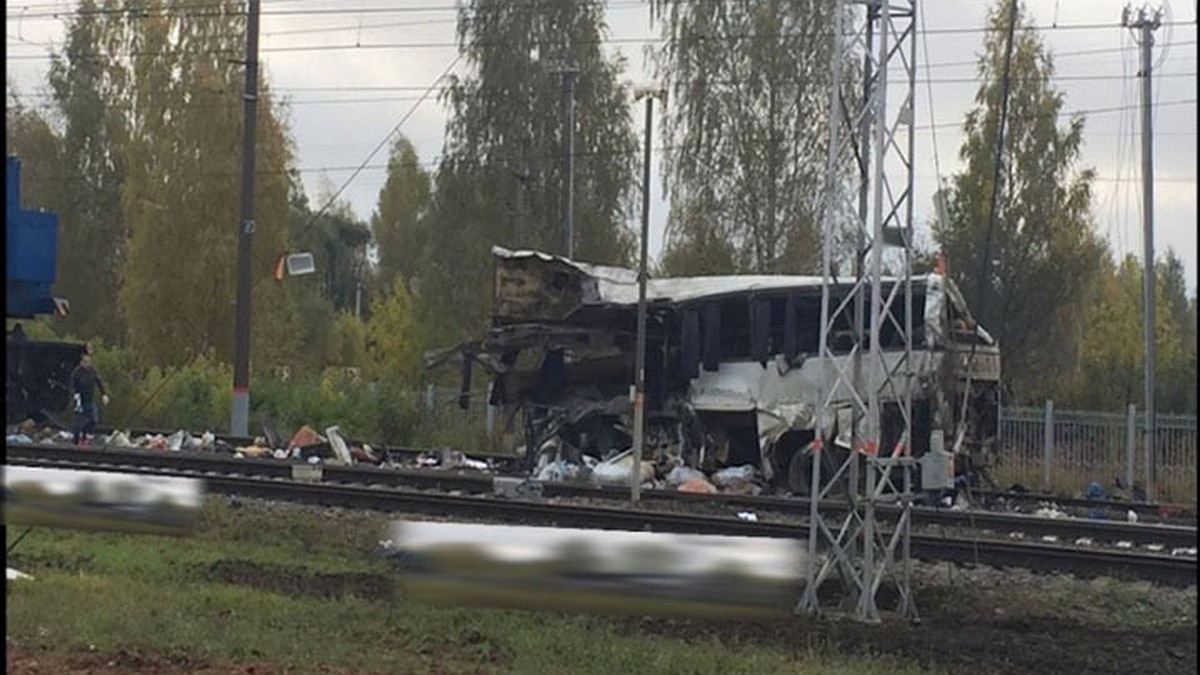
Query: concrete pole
x=1145 y=23
x=240 y=415
x=1130 y=444
x=639 y=396
x=1047 y=445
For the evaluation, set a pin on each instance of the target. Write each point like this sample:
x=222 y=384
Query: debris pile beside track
x=551 y=468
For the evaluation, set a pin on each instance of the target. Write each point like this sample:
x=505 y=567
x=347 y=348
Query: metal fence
x=444 y=422
x=1065 y=450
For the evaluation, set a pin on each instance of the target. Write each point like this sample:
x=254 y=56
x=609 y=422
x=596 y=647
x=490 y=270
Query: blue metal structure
x=36 y=373
x=31 y=246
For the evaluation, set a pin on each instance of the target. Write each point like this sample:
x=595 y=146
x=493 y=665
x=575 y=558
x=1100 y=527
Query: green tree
x=747 y=126
x=1112 y=355
x=400 y=215
x=182 y=170
x=1044 y=251
x=85 y=80
x=500 y=179
x=696 y=247
x=29 y=136
x=338 y=241
x=393 y=345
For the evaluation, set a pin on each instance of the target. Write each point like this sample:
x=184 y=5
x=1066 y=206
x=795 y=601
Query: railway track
x=1179 y=513
x=218 y=471
x=1166 y=569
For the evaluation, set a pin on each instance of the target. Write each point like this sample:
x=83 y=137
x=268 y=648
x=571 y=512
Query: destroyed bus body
x=732 y=371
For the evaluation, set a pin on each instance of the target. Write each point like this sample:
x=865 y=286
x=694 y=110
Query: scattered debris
x=729 y=475
x=255 y=451
x=178 y=440
x=119 y=439
x=616 y=470
x=698 y=486
x=305 y=437
x=560 y=471
x=748 y=516
x=682 y=474
x=340 y=451
x=16 y=575
x=1050 y=510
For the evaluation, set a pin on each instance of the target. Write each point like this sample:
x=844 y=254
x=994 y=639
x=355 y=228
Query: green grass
x=166 y=595
x=1103 y=602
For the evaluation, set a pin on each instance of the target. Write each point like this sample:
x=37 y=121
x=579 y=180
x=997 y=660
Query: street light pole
x=639 y=395
x=240 y=416
x=568 y=200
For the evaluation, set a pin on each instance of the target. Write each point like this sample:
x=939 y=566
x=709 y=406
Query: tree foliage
x=393 y=348
x=86 y=91
x=1044 y=252
x=1112 y=352
x=500 y=180
x=400 y=216
x=747 y=130
x=182 y=170
x=29 y=136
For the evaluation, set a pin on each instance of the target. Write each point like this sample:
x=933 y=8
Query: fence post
x=1130 y=444
x=491 y=412
x=1047 y=445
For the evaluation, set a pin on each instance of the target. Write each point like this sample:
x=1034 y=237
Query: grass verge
x=303 y=590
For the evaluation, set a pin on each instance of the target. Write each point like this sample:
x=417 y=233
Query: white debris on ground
x=1050 y=510
x=556 y=461
x=16 y=575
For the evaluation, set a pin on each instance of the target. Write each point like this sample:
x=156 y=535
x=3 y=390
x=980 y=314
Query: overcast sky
x=373 y=66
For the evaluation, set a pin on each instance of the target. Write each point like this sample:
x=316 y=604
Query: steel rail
x=469 y=481
x=1171 y=570
x=1183 y=512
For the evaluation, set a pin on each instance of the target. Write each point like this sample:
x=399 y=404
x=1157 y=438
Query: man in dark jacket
x=84 y=381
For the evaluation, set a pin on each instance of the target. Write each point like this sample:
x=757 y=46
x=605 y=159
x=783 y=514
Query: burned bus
x=733 y=373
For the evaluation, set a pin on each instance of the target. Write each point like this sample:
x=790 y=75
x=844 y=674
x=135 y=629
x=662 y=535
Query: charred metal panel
x=530 y=289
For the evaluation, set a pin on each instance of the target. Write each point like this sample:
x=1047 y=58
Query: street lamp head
x=659 y=93
x=294 y=265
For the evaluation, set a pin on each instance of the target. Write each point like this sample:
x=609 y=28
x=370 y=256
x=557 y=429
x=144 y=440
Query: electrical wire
x=382 y=143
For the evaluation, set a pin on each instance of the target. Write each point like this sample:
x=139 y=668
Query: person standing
x=84 y=382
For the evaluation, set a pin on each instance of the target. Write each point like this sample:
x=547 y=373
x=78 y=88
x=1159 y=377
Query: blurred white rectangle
x=98 y=500
x=637 y=572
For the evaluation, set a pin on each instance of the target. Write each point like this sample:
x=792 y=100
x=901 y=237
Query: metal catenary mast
x=871 y=129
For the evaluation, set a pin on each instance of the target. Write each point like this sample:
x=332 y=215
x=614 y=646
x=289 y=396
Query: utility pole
x=1143 y=25
x=569 y=75
x=639 y=395
x=240 y=417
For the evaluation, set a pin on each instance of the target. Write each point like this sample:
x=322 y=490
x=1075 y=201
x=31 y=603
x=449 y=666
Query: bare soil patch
x=1021 y=645
x=295 y=581
x=30 y=661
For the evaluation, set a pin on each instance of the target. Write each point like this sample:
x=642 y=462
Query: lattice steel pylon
x=875 y=127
